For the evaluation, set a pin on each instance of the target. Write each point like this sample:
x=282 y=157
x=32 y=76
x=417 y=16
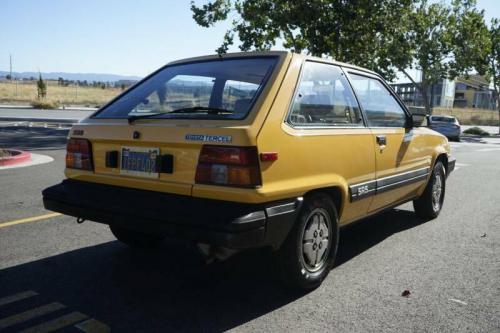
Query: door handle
x=381 y=140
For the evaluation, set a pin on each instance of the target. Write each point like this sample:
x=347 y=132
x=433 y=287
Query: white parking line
x=93 y=326
x=80 y=320
x=17 y=297
x=57 y=323
x=488 y=149
x=30 y=314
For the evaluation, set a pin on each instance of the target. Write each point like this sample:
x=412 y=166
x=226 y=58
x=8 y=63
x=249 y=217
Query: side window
x=324 y=98
x=381 y=108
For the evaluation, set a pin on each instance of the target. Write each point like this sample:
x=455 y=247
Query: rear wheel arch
x=335 y=193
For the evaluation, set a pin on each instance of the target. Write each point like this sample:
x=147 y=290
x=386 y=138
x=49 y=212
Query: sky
x=126 y=37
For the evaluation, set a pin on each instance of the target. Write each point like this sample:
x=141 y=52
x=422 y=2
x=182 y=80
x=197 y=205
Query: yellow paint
x=308 y=159
x=29 y=219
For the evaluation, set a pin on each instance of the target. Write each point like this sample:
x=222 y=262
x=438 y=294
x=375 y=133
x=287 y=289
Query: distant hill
x=73 y=76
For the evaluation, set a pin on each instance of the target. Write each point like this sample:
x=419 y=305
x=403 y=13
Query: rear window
x=443 y=119
x=216 y=89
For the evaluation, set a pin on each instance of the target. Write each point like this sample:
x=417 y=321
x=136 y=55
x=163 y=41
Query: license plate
x=139 y=161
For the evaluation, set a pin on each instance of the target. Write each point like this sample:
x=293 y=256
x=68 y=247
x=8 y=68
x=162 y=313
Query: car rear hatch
x=163 y=154
x=123 y=155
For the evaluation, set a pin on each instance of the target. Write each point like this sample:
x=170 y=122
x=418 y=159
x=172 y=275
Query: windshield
x=216 y=89
x=443 y=119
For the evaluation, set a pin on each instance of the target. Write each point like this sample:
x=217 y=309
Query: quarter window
x=324 y=98
x=380 y=107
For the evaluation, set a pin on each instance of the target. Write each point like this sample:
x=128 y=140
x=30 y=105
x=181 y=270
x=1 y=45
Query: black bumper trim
x=229 y=224
x=451 y=165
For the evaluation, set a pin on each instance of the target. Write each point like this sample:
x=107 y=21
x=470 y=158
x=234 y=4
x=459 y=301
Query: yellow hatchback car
x=268 y=149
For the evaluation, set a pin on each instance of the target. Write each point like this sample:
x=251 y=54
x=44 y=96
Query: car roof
x=270 y=53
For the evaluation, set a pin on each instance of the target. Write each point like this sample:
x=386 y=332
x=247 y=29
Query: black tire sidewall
x=438 y=168
x=295 y=270
x=423 y=205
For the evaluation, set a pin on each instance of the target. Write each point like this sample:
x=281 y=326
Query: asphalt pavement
x=18 y=114
x=57 y=273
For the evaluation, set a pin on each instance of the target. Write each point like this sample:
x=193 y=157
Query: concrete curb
x=19 y=157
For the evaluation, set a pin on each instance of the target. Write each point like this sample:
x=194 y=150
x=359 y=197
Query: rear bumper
x=223 y=223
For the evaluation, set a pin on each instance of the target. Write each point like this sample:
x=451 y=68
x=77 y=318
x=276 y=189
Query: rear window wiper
x=206 y=109
x=194 y=109
x=133 y=118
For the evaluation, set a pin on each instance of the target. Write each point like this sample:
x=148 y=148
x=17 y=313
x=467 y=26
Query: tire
x=307 y=255
x=429 y=204
x=134 y=238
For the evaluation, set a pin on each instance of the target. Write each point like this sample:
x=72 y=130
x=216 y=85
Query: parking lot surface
x=57 y=274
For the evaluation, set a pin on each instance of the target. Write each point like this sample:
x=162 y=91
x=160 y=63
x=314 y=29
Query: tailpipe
x=212 y=253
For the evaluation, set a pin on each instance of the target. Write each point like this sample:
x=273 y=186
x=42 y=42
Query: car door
x=402 y=163
x=327 y=117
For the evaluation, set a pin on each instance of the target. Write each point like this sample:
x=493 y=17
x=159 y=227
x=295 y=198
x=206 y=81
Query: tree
x=41 y=87
x=442 y=41
x=494 y=61
x=445 y=42
x=360 y=32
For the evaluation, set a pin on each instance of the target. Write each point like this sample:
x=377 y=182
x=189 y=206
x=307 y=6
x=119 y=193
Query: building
x=472 y=92
x=441 y=94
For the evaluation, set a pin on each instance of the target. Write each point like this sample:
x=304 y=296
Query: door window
x=381 y=108
x=324 y=98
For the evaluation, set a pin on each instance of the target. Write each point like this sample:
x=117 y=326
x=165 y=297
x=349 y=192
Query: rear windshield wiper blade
x=194 y=109
x=207 y=109
x=133 y=118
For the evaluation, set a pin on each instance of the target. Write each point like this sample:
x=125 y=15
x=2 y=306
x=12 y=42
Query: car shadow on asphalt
x=169 y=289
x=32 y=138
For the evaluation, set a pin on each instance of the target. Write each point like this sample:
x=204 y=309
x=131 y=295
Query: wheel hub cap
x=316 y=239
x=437 y=189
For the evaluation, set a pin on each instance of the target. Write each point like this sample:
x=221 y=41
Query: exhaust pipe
x=212 y=253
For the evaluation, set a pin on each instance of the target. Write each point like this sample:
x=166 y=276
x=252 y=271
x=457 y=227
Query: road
x=81 y=274
x=7 y=114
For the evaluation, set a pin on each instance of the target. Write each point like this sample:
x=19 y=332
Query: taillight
x=230 y=166
x=79 y=154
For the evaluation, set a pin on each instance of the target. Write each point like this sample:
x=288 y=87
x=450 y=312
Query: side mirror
x=416 y=120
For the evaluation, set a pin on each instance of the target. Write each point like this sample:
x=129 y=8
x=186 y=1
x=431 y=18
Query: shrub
x=4 y=153
x=476 y=131
x=39 y=104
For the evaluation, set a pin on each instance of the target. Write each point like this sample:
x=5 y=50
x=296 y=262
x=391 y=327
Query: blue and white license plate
x=139 y=161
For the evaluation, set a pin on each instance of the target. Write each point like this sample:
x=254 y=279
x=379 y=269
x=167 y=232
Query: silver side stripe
x=373 y=187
